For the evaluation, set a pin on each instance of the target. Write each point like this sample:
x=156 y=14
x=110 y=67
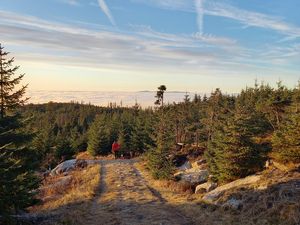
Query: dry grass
x=62 y=192
x=87 y=156
x=175 y=192
x=275 y=200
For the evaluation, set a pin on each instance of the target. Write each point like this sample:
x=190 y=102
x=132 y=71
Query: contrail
x=106 y=11
x=199 y=5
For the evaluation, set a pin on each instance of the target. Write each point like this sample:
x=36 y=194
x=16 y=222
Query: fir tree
x=158 y=159
x=232 y=152
x=98 y=137
x=286 y=139
x=17 y=161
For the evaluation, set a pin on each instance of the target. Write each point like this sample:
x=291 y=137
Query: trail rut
x=124 y=197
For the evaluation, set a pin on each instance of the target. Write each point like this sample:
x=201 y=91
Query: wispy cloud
x=71 y=2
x=253 y=19
x=142 y=49
x=106 y=11
x=199 y=5
x=220 y=9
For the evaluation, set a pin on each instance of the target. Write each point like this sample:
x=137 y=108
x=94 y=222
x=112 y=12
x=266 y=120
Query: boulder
x=80 y=163
x=64 y=167
x=233 y=204
x=178 y=160
x=206 y=187
x=69 y=165
x=187 y=165
x=199 y=164
x=194 y=178
x=178 y=175
x=214 y=195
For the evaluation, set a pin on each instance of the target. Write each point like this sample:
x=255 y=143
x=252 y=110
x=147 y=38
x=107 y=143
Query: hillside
x=123 y=192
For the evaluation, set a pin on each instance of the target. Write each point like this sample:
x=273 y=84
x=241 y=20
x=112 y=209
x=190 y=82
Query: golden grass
x=278 y=203
x=80 y=186
x=87 y=156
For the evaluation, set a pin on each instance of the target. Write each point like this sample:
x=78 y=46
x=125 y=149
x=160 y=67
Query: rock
x=199 y=164
x=178 y=175
x=233 y=203
x=187 y=165
x=214 y=195
x=268 y=163
x=69 y=165
x=64 y=167
x=80 y=163
x=206 y=187
x=196 y=177
x=178 y=160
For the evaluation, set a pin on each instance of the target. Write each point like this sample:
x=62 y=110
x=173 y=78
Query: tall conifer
x=17 y=164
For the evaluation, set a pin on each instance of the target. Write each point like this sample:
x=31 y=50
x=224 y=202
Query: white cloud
x=254 y=19
x=220 y=9
x=106 y=11
x=142 y=50
x=199 y=5
x=71 y=2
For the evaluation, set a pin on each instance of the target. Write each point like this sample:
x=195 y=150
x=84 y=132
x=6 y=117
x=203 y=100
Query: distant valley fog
x=103 y=98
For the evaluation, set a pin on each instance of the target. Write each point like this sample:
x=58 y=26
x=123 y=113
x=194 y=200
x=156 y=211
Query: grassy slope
x=69 y=201
x=274 y=200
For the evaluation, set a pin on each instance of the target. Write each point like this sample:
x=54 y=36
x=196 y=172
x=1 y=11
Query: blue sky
x=132 y=45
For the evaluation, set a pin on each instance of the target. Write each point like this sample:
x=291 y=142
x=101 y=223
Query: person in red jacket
x=115 y=149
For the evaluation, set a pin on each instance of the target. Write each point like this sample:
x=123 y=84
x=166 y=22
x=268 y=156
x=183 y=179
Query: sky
x=136 y=45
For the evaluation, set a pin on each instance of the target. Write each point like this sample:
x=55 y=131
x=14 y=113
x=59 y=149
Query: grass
x=274 y=200
x=64 y=198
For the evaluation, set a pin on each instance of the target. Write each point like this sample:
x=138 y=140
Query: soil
x=124 y=197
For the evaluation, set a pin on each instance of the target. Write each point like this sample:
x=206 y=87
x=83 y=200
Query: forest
x=236 y=133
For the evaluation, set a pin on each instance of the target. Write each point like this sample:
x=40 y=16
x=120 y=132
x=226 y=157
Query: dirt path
x=124 y=197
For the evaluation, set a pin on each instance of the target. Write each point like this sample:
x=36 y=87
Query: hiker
x=115 y=148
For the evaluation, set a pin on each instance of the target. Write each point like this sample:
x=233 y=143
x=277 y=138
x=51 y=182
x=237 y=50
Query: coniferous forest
x=236 y=133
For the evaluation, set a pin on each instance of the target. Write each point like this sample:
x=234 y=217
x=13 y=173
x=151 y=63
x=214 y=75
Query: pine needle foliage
x=17 y=160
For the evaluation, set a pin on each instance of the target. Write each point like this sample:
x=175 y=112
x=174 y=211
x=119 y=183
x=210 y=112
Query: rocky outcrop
x=63 y=167
x=193 y=176
x=69 y=165
x=199 y=163
x=206 y=187
x=214 y=195
x=233 y=204
x=187 y=165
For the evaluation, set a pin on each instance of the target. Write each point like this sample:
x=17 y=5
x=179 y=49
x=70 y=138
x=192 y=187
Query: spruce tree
x=158 y=158
x=17 y=161
x=286 y=140
x=98 y=140
x=232 y=153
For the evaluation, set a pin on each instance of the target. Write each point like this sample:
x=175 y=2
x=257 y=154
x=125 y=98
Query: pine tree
x=98 y=137
x=286 y=140
x=232 y=152
x=17 y=161
x=158 y=158
x=160 y=95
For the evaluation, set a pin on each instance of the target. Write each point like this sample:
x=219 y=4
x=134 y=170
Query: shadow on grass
x=278 y=203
